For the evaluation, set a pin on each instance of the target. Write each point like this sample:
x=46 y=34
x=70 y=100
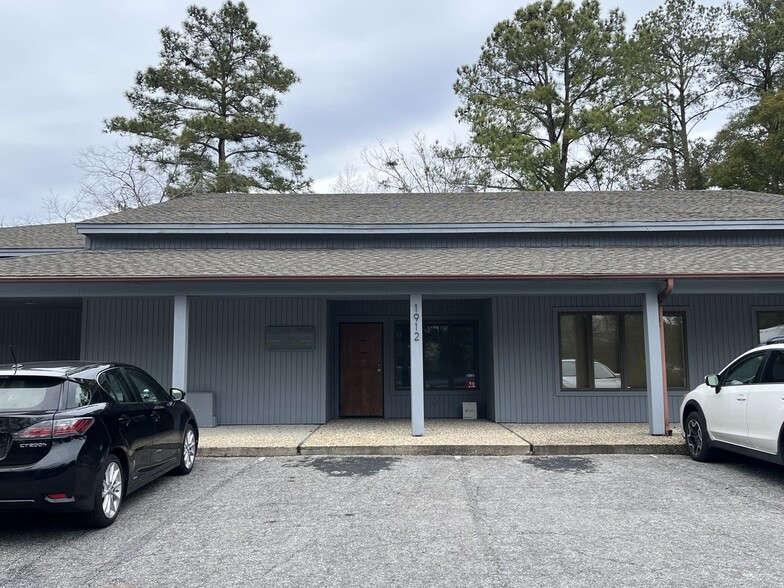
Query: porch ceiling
x=550 y=263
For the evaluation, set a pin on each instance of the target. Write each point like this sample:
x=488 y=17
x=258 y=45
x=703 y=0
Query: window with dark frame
x=770 y=324
x=450 y=355
x=774 y=368
x=606 y=350
x=146 y=387
x=112 y=383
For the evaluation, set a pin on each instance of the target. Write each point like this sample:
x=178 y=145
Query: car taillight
x=36 y=431
x=71 y=427
x=57 y=429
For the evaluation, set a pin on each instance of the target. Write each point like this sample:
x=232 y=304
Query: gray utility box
x=469 y=410
x=203 y=405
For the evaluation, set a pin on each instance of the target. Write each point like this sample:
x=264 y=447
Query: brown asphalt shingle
x=51 y=236
x=499 y=207
x=292 y=264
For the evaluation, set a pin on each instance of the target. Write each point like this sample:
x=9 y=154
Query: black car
x=79 y=436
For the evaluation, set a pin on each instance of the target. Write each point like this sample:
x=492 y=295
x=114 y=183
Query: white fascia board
x=418 y=229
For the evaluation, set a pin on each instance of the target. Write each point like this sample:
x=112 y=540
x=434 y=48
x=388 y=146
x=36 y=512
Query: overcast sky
x=369 y=70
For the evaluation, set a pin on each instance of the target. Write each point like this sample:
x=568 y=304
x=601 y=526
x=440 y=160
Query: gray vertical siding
x=130 y=330
x=563 y=239
x=526 y=364
x=519 y=377
x=227 y=356
x=718 y=329
x=487 y=354
x=40 y=334
x=397 y=403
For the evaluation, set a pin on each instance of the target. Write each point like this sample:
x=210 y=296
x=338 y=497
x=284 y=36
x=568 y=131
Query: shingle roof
x=51 y=236
x=499 y=207
x=346 y=264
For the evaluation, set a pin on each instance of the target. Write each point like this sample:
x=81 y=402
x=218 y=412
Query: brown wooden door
x=361 y=375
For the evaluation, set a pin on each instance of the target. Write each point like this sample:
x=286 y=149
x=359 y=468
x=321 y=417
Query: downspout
x=662 y=297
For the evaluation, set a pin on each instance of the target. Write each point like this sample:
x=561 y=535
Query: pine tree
x=549 y=95
x=207 y=112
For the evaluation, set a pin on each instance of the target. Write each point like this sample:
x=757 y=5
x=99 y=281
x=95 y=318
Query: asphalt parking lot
x=609 y=520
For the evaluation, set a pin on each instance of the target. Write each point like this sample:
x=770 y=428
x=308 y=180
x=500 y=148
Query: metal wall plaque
x=290 y=338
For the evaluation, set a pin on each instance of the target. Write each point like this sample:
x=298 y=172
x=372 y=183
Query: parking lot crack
x=305 y=440
x=480 y=526
x=200 y=498
x=516 y=434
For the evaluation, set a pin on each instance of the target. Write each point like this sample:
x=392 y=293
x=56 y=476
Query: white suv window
x=744 y=372
x=774 y=369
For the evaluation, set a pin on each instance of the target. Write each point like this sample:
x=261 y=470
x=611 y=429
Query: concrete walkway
x=442 y=437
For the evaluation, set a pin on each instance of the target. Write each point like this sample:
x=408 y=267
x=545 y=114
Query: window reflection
x=770 y=324
x=606 y=351
x=449 y=354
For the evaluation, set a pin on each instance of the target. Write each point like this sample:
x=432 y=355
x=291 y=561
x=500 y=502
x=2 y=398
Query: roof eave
x=399 y=278
x=419 y=229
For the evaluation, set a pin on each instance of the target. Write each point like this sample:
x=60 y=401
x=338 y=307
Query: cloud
x=369 y=70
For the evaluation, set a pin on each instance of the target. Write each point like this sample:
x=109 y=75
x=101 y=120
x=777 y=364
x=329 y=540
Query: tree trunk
x=683 y=132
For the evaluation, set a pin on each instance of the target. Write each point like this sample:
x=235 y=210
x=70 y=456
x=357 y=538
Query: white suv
x=741 y=409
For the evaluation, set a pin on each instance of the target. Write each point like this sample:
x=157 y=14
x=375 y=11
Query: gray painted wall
x=252 y=385
x=486 y=351
x=397 y=403
x=527 y=378
x=519 y=377
x=463 y=240
x=131 y=330
x=40 y=334
x=227 y=354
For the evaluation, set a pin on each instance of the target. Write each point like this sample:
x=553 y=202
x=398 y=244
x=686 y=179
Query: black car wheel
x=187 y=452
x=109 y=494
x=697 y=441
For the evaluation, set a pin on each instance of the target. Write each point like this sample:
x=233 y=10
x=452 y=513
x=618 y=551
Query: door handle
x=741 y=399
x=155 y=416
x=124 y=420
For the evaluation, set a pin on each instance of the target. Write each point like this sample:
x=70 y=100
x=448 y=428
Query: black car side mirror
x=177 y=394
x=713 y=381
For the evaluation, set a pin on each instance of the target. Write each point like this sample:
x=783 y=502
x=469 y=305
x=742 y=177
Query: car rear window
x=29 y=393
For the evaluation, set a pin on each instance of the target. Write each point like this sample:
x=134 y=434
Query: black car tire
x=98 y=518
x=187 y=452
x=697 y=438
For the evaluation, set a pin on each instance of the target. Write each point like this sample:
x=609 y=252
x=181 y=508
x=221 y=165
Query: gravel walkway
x=252 y=440
x=442 y=437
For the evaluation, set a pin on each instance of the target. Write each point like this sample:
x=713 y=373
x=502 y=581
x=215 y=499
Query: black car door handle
x=124 y=420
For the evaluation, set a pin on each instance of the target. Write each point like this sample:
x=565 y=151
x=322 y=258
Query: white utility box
x=203 y=406
x=469 y=410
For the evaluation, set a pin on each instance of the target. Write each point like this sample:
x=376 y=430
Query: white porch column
x=180 y=344
x=417 y=367
x=653 y=364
